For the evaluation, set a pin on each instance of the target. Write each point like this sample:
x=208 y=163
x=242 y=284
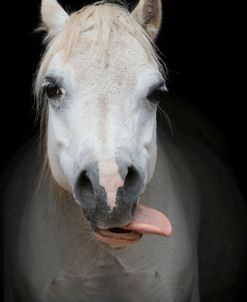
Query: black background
x=201 y=44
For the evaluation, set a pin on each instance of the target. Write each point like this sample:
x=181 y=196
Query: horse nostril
x=85 y=195
x=133 y=184
x=84 y=188
x=86 y=185
x=130 y=177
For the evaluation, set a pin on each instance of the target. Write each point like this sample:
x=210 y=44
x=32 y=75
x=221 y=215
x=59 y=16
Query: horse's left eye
x=52 y=89
x=156 y=93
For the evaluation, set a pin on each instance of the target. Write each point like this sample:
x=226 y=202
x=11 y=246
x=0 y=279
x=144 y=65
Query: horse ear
x=53 y=16
x=149 y=14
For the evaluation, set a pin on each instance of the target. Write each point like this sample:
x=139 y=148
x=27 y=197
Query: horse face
x=102 y=119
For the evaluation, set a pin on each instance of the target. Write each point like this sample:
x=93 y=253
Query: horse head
x=98 y=80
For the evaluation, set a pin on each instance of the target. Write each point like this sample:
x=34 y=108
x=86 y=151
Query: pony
x=117 y=204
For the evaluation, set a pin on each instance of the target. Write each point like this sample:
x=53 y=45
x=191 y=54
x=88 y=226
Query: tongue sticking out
x=149 y=221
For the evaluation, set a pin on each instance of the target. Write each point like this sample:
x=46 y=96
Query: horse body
x=77 y=268
x=53 y=255
x=52 y=249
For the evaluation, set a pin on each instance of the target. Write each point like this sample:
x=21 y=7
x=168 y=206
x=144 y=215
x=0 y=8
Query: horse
x=118 y=203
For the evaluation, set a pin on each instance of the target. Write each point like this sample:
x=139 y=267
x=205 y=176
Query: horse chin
x=117 y=237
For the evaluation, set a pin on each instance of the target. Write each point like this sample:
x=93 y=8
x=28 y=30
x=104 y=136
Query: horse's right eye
x=53 y=91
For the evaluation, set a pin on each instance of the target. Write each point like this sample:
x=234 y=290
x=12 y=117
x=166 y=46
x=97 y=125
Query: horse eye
x=52 y=89
x=156 y=93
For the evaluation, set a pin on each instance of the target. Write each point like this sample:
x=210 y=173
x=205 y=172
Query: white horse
x=104 y=222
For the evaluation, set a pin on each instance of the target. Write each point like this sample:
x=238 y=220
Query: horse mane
x=109 y=18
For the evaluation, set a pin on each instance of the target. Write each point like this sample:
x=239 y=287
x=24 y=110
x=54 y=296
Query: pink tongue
x=149 y=221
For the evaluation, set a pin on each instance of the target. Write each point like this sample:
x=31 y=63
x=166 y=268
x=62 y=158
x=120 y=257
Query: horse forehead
x=121 y=60
x=122 y=52
x=111 y=76
x=105 y=79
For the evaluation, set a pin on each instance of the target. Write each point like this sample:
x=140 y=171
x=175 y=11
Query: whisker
x=163 y=113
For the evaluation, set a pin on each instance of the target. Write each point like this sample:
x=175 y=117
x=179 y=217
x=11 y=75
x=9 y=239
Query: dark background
x=201 y=44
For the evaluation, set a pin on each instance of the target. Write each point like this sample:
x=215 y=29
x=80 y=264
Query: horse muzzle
x=108 y=194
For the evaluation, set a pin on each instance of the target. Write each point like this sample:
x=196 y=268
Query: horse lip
x=117 y=240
